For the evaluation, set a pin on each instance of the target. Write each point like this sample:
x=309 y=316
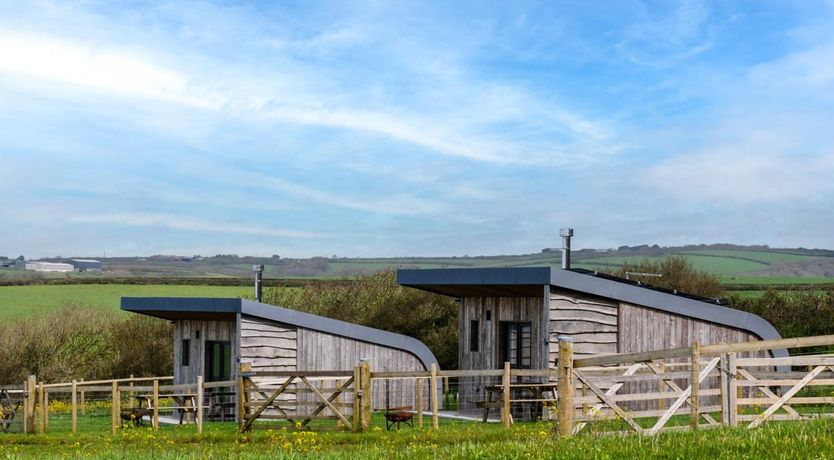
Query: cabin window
x=474 y=332
x=489 y=315
x=516 y=344
x=186 y=352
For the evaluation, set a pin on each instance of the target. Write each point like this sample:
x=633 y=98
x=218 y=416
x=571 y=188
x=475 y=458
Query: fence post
x=242 y=394
x=115 y=410
x=130 y=393
x=724 y=388
x=74 y=406
x=565 y=386
x=200 y=404
x=45 y=409
x=83 y=404
x=420 y=402
x=506 y=416
x=732 y=395
x=31 y=386
x=695 y=387
x=367 y=397
x=155 y=402
x=357 y=398
x=41 y=409
x=433 y=396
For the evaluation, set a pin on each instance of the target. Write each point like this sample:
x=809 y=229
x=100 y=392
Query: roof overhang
x=174 y=308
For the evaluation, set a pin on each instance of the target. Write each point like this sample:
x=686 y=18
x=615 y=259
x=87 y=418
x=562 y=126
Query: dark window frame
x=474 y=336
x=185 y=353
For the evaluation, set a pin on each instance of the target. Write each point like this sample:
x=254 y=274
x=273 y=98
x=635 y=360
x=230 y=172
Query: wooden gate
x=298 y=397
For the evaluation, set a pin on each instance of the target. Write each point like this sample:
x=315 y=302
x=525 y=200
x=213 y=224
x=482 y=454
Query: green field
x=787 y=440
x=21 y=301
x=775 y=280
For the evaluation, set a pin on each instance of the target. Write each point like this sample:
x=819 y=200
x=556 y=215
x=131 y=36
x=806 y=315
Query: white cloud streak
x=176 y=222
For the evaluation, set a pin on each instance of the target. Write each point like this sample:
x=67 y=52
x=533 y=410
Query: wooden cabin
x=212 y=336
x=516 y=315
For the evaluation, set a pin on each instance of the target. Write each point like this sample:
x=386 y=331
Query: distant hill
x=726 y=260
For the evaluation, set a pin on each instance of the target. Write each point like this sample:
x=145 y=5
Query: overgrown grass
x=786 y=440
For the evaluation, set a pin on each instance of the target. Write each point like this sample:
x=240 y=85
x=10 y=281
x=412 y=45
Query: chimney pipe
x=259 y=270
x=566 y=234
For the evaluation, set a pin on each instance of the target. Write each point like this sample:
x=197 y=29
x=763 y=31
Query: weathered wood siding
x=502 y=309
x=591 y=321
x=523 y=309
x=268 y=345
x=320 y=351
x=643 y=329
x=209 y=331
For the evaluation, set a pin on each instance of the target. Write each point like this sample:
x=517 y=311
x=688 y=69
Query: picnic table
x=536 y=393
x=186 y=403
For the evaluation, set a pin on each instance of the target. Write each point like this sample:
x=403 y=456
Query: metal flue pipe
x=259 y=270
x=566 y=234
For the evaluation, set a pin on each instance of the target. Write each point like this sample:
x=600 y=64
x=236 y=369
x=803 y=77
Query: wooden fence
x=688 y=388
x=130 y=400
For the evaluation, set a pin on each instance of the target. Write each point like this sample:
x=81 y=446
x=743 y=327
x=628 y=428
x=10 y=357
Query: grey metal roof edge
x=341 y=328
x=474 y=276
x=181 y=304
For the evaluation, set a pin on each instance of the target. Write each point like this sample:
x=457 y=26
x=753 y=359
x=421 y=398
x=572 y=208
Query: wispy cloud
x=175 y=222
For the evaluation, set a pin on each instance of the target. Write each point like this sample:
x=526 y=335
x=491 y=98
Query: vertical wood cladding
x=321 y=351
x=643 y=329
x=591 y=321
x=518 y=309
x=187 y=329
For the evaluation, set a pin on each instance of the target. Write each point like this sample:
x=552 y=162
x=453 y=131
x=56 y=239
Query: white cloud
x=99 y=68
x=176 y=222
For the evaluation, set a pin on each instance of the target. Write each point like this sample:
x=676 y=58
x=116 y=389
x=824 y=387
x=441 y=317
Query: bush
x=378 y=301
x=677 y=273
x=796 y=313
x=75 y=343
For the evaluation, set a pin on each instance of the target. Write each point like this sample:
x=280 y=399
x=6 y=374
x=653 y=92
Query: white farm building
x=40 y=266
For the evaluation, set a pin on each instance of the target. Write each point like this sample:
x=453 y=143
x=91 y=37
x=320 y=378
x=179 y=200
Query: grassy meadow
x=22 y=301
x=787 y=440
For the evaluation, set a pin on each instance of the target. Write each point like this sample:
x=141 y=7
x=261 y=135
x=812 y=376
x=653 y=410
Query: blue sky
x=395 y=128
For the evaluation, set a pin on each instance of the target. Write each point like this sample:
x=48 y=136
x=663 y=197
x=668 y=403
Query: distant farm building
x=40 y=266
x=86 y=265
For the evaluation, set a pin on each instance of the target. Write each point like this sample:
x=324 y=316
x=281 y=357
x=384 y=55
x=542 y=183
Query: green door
x=218 y=361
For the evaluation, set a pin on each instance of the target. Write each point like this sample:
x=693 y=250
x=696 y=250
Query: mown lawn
x=787 y=440
x=21 y=301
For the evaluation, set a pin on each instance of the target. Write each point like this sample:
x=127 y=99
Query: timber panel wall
x=186 y=329
x=644 y=329
x=591 y=321
x=471 y=389
x=320 y=351
x=267 y=345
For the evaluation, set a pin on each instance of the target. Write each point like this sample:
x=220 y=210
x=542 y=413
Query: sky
x=383 y=128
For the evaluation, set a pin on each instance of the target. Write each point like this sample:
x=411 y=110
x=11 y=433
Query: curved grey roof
x=220 y=308
x=517 y=281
